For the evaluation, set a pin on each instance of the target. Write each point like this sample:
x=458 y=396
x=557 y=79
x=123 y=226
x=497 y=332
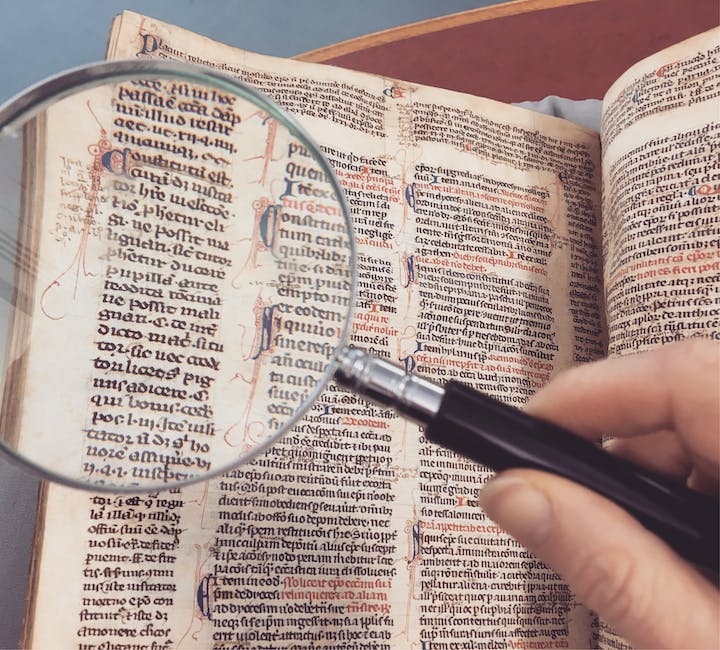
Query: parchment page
x=661 y=140
x=502 y=291
x=477 y=230
x=661 y=201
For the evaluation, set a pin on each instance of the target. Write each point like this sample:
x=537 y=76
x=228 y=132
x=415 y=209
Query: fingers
x=663 y=452
x=660 y=452
x=614 y=565
x=676 y=387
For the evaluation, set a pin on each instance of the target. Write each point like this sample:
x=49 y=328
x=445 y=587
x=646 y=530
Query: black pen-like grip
x=500 y=436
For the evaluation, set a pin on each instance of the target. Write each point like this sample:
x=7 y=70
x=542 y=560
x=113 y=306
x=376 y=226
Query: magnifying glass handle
x=501 y=436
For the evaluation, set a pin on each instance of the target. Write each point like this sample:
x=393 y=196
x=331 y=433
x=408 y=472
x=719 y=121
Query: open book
x=487 y=253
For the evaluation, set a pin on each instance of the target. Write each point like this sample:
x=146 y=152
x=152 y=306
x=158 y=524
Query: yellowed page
x=476 y=226
x=504 y=246
x=661 y=129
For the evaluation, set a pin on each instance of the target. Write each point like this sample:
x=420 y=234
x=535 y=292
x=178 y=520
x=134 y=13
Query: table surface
x=529 y=49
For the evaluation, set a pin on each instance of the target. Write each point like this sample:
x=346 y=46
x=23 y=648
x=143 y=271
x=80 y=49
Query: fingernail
x=519 y=508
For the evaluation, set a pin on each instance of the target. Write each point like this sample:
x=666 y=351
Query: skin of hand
x=663 y=408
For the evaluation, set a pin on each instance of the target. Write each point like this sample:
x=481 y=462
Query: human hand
x=664 y=408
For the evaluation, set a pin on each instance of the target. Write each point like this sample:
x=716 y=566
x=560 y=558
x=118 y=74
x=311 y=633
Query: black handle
x=501 y=437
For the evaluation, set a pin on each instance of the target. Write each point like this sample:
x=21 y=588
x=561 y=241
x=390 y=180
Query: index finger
x=674 y=387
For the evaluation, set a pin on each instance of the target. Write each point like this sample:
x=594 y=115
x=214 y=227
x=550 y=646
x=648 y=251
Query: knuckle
x=694 y=366
x=609 y=582
x=695 y=353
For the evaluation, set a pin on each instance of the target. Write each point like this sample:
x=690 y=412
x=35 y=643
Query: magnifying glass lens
x=177 y=268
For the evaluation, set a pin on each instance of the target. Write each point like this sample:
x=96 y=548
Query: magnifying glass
x=178 y=270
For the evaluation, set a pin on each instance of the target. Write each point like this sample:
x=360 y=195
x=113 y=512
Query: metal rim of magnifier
x=42 y=95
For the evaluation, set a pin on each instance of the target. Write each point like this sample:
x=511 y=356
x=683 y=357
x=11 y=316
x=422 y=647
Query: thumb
x=612 y=563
